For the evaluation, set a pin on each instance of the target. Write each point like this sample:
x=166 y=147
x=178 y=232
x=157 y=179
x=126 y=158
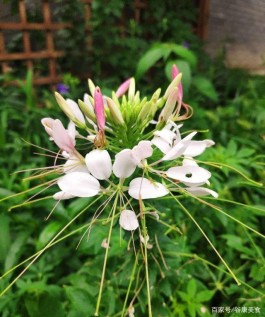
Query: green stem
x=130 y=284
x=146 y=268
x=106 y=256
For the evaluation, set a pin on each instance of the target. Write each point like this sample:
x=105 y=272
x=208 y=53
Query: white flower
x=201 y=191
x=79 y=184
x=128 y=220
x=189 y=175
x=99 y=164
x=127 y=160
x=169 y=141
x=143 y=188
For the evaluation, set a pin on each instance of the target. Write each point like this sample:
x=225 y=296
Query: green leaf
x=192 y=309
x=149 y=59
x=48 y=233
x=185 y=53
x=191 y=288
x=258 y=272
x=45 y=305
x=15 y=250
x=80 y=300
x=205 y=87
x=185 y=297
x=204 y=296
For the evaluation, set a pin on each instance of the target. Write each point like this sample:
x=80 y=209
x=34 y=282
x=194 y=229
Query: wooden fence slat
x=31 y=55
x=25 y=33
x=33 y=26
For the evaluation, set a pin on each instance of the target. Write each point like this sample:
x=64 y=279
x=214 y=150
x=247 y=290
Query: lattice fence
x=28 y=55
x=31 y=58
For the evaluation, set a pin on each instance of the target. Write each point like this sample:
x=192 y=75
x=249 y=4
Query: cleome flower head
x=125 y=152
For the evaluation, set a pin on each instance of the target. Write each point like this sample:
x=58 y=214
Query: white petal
x=166 y=135
x=189 y=175
x=76 y=110
x=79 y=184
x=179 y=148
x=124 y=164
x=128 y=220
x=201 y=191
x=71 y=129
x=62 y=196
x=145 y=189
x=189 y=161
x=142 y=151
x=74 y=165
x=160 y=143
x=196 y=148
x=99 y=164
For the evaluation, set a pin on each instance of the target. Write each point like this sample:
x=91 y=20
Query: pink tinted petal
x=99 y=109
x=124 y=164
x=143 y=188
x=47 y=123
x=189 y=175
x=123 y=88
x=128 y=220
x=61 y=137
x=79 y=184
x=174 y=71
x=201 y=191
x=99 y=164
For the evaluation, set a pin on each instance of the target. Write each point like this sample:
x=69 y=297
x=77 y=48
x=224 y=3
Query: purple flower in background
x=186 y=44
x=62 y=88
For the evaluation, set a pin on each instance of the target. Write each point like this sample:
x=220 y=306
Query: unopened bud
x=131 y=92
x=91 y=87
x=99 y=109
x=115 y=111
x=64 y=106
x=170 y=105
x=87 y=110
x=173 y=84
x=123 y=88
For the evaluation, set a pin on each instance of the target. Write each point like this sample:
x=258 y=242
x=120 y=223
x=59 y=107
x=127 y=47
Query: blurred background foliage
x=228 y=108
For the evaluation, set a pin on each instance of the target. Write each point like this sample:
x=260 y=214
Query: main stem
x=146 y=269
x=106 y=258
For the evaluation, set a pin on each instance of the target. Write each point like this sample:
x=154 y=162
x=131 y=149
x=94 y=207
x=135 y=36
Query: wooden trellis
x=29 y=56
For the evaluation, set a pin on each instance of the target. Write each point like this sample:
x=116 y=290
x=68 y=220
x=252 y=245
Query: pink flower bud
x=175 y=73
x=99 y=109
x=123 y=88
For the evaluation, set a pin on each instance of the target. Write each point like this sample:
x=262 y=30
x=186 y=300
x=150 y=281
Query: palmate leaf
x=163 y=50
